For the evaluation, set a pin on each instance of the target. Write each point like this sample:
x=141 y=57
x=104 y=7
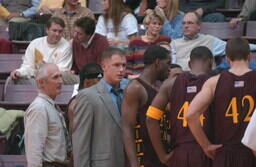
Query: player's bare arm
x=160 y=102
x=134 y=96
x=198 y=105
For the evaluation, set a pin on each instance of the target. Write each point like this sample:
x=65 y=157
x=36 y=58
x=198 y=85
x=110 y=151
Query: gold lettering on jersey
x=191 y=89
x=182 y=112
x=232 y=110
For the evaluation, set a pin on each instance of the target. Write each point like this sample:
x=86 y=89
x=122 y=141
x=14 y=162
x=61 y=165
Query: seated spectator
x=90 y=75
x=117 y=23
x=49 y=49
x=48 y=6
x=173 y=18
x=17 y=11
x=248 y=13
x=87 y=46
x=205 y=9
x=72 y=11
x=153 y=22
x=192 y=38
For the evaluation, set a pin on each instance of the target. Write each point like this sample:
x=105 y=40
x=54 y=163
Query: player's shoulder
x=134 y=87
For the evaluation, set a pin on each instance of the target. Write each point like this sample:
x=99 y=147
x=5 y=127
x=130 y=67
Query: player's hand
x=165 y=159
x=233 y=22
x=210 y=150
x=15 y=75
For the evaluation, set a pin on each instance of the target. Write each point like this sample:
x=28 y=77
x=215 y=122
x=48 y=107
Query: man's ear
x=189 y=64
x=157 y=63
x=40 y=82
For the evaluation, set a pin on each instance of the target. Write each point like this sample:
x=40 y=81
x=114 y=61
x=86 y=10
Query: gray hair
x=42 y=72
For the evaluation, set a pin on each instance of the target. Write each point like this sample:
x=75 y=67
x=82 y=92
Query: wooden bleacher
x=13 y=161
x=4 y=32
x=8 y=63
x=20 y=96
x=223 y=30
x=250 y=33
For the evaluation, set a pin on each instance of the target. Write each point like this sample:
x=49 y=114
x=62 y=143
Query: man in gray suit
x=97 y=134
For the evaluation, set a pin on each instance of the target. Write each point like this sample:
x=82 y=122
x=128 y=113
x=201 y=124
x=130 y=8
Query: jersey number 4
x=232 y=110
x=182 y=112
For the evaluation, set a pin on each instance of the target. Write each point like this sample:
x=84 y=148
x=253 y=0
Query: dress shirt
x=44 y=133
x=32 y=10
x=250 y=133
x=123 y=83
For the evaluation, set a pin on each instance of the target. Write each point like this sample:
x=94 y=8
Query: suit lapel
x=110 y=106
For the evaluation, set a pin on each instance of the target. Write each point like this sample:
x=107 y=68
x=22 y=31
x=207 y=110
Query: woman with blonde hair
x=172 y=26
x=153 y=22
x=117 y=23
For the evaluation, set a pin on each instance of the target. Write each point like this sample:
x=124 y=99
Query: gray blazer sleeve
x=82 y=131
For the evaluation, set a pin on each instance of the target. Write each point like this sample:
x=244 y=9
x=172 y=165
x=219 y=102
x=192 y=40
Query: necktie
x=118 y=93
x=67 y=137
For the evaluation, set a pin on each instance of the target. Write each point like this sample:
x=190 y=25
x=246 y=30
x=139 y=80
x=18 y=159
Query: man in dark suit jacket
x=97 y=134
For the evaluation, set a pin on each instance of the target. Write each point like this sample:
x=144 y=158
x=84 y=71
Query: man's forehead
x=190 y=17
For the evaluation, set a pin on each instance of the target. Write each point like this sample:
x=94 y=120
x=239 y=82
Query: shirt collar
x=109 y=87
x=187 y=39
x=47 y=98
x=72 y=13
x=85 y=45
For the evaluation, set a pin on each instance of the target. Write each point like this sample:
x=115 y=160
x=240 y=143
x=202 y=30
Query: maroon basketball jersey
x=147 y=156
x=232 y=107
x=184 y=90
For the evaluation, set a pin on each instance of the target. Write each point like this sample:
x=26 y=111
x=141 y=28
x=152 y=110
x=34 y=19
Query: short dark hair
x=109 y=52
x=87 y=24
x=55 y=20
x=89 y=71
x=237 y=49
x=201 y=53
x=175 y=66
x=153 y=53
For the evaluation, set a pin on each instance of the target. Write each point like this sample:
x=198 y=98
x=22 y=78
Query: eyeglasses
x=188 y=22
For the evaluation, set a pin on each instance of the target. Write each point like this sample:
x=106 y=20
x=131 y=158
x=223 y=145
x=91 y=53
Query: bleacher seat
x=250 y=33
x=8 y=63
x=2 y=82
x=222 y=30
x=4 y=32
x=20 y=96
x=13 y=161
x=232 y=8
x=2 y=145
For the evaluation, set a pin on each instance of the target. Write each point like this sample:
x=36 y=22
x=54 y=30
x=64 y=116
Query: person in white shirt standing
x=250 y=133
x=47 y=142
x=52 y=48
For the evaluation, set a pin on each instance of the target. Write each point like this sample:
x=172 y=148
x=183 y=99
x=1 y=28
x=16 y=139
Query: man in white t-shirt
x=49 y=49
x=250 y=133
